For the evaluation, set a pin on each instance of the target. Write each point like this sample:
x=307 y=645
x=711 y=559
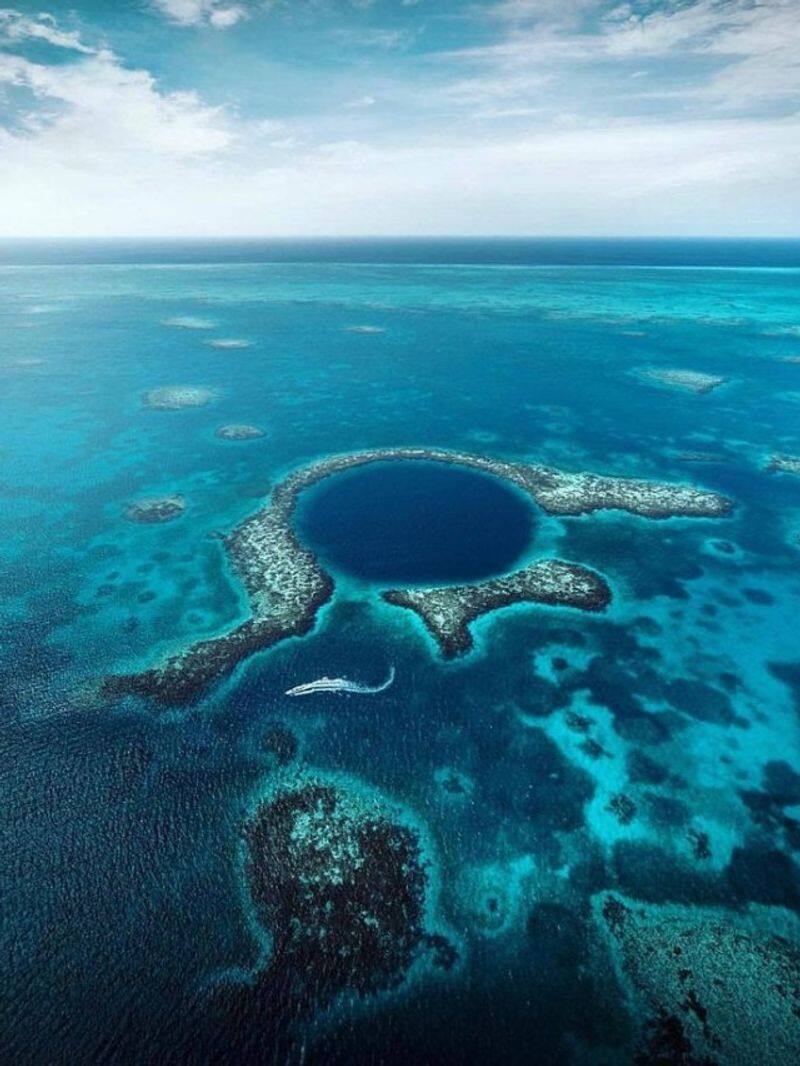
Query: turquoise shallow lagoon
x=588 y=791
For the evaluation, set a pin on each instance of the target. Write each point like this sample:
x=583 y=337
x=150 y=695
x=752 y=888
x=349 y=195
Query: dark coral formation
x=280 y=743
x=767 y=806
x=712 y=986
x=341 y=884
x=286 y=585
x=593 y=749
x=155 y=509
x=700 y=843
x=623 y=808
x=665 y=1043
x=448 y=611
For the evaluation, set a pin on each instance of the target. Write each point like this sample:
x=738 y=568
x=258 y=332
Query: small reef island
x=231 y=344
x=189 y=322
x=156 y=509
x=239 y=431
x=286 y=584
x=694 y=381
x=176 y=397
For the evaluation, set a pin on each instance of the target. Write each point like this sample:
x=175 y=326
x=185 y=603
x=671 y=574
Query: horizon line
x=403 y=237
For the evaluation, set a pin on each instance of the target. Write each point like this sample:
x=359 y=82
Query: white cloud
x=16 y=27
x=749 y=46
x=96 y=111
x=727 y=176
x=360 y=102
x=374 y=37
x=104 y=149
x=216 y=13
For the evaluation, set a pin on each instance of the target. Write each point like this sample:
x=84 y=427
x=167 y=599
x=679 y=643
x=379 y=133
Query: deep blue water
x=416 y=523
x=771 y=253
x=651 y=752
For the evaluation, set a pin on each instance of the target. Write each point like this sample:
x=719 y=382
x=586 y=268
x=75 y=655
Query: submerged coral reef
x=721 y=987
x=694 y=381
x=239 y=431
x=175 y=397
x=785 y=464
x=156 y=509
x=341 y=882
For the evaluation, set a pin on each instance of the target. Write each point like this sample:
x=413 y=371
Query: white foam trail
x=339 y=684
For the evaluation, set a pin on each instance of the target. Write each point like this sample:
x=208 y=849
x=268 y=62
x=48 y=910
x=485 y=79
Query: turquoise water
x=652 y=751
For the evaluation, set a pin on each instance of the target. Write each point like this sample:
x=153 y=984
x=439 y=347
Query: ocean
x=600 y=809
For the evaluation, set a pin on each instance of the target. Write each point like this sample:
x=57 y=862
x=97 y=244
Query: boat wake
x=340 y=684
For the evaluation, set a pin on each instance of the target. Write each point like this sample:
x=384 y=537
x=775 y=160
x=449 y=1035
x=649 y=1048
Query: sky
x=400 y=117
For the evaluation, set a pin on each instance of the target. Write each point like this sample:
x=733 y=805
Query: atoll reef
x=239 y=432
x=714 y=986
x=175 y=397
x=156 y=509
x=286 y=584
x=448 y=611
x=785 y=464
x=694 y=381
x=341 y=883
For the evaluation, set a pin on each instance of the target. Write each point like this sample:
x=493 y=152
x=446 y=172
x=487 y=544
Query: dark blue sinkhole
x=415 y=522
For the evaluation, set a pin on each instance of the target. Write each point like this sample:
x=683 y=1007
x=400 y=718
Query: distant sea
x=509 y=251
x=592 y=791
